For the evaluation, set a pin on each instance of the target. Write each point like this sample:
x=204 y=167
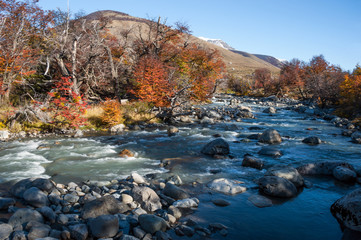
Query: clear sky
x=284 y=29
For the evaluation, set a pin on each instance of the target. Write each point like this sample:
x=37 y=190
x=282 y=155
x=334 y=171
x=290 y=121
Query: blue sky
x=284 y=29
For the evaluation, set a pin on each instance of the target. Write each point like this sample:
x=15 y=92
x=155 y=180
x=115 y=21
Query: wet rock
x=4 y=135
x=214 y=115
x=78 y=133
x=148 y=199
x=286 y=172
x=176 y=180
x=48 y=214
x=35 y=197
x=24 y=215
x=270 y=110
x=103 y=206
x=171 y=131
x=20 y=187
x=5 y=231
x=206 y=120
x=260 y=201
x=269 y=151
x=5 y=203
x=137 y=178
x=347 y=210
x=270 y=136
x=255 y=136
x=185 y=119
x=347 y=132
x=188 y=231
x=312 y=140
x=151 y=223
x=277 y=187
x=126 y=153
x=226 y=186
x=344 y=174
x=105 y=226
x=38 y=232
x=216 y=147
x=322 y=168
x=253 y=162
x=221 y=202
x=356 y=137
x=117 y=128
x=174 y=192
x=79 y=232
x=175 y=212
x=43 y=184
x=186 y=203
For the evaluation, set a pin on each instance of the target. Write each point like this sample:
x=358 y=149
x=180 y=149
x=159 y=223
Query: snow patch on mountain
x=218 y=42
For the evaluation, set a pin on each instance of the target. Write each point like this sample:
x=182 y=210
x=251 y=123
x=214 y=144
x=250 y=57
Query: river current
x=97 y=158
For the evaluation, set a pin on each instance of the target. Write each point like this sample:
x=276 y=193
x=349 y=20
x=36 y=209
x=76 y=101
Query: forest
x=58 y=71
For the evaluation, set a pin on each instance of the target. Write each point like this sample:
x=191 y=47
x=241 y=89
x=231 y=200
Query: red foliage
x=67 y=107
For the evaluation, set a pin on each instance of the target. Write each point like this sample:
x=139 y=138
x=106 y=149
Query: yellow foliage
x=112 y=115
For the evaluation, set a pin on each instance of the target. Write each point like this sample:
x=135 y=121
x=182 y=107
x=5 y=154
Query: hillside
x=237 y=64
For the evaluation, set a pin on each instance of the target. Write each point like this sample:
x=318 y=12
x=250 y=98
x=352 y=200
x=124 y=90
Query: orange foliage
x=351 y=90
x=112 y=114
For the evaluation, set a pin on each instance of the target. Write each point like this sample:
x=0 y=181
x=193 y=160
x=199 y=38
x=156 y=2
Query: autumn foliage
x=351 y=93
x=112 y=115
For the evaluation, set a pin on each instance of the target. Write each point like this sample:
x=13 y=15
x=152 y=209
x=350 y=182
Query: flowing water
x=96 y=158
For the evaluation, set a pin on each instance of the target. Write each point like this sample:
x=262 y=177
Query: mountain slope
x=236 y=64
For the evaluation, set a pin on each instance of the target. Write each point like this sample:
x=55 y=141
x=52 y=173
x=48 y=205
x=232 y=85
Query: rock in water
x=277 y=187
x=4 y=135
x=186 y=203
x=137 y=178
x=322 y=168
x=253 y=162
x=105 y=226
x=356 y=137
x=151 y=223
x=117 y=128
x=226 y=186
x=270 y=110
x=148 y=199
x=174 y=192
x=172 y=131
x=25 y=215
x=347 y=210
x=344 y=174
x=221 y=202
x=312 y=140
x=260 y=201
x=126 y=153
x=286 y=172
x=270 y=136
x=216 y=147
x=270 y=151
x=35 y=197
x=103 y=206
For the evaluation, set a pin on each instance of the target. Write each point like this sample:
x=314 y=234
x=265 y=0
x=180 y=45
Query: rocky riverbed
x=263 y=168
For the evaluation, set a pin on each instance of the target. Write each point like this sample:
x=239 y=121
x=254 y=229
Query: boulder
x=174 y=192
x=172 y=131
x=71 y=198
x=126 y=153
x=260 y=201
x=103 y=206
x=277 y=187
x=79 y=232
x=137 y=178
x=18 y=189
x=286 y=172
x=5 y=231
x=48 y=214
x=270 y=136
x=25 y=215
x=347 y=210
x=43 y=184
x=253 y=162
x=148 y=199
x=226 y=186
x=5 y=203
x=38 y=232
x=356 y=137
x=35 y=197
x=105 y=226
x=186 y=203
x=214 y=115
x=117 y=128
x=344 y=174
x=206 y=120
x=270 y=110
x=312 y=140
x=218 y=146
x=270 y=151
x=4 y=135
x=220 y=202
x=151 y=223
x=322 y=168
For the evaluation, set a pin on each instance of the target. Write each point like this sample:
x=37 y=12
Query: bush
x=112 y=114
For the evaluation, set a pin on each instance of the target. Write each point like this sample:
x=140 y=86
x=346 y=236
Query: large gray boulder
x=174 y=192
x=226 y=186
x=151 y=223
x=18 y=189
x=312 y=140
x=322 y=168
x=48 y=214
x=25 y=215
x=5 y=231
x=356 y=137
x=103 y=206
x=218 y=146
x=270 y=136
x=286 y=172
x=148 y=199
x=105 y=226
x=344 y=174
x=35 y=197
x=43 y=184
x=347 y=210
x=277 y=187
x=253 y=162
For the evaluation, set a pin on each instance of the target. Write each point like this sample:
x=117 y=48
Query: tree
x=292 y=77
x=351 y=93
x=263 y=79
